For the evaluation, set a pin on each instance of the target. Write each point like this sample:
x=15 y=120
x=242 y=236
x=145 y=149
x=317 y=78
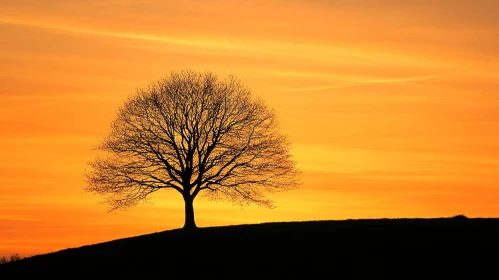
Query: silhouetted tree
x=13 y=258
x=193 y=132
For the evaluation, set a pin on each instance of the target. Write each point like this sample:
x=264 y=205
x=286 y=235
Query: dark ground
x=443 y=248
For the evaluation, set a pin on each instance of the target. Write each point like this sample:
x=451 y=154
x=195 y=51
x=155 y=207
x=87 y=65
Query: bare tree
x=13 y=258
x=193 y=132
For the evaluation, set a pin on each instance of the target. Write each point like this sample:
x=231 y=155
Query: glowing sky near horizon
x=392 y=106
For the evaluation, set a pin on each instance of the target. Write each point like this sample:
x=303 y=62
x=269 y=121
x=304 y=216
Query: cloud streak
x=369 y=81
x=127 y=35
x=321 y=53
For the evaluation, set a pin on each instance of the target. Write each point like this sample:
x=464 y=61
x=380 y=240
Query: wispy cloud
x=319 y=53
x=368 y=81
x=126 y=35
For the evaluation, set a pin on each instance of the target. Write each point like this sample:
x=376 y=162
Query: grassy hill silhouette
x=387 y=248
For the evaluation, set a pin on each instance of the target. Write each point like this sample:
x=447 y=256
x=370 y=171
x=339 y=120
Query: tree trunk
x=189 y=213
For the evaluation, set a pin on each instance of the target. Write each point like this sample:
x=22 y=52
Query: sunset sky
x=392 y=106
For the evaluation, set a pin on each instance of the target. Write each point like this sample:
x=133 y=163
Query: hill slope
x=399 y=248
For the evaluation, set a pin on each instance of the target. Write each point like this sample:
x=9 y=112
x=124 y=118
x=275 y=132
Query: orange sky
x=392 y=106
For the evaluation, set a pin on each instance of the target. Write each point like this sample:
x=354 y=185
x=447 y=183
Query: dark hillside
x=395 y=248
